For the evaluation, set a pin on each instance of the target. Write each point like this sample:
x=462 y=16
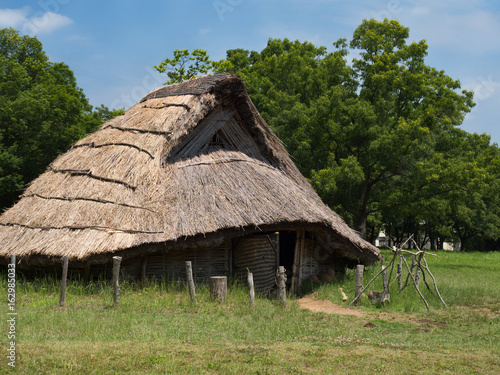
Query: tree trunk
x=362 y=218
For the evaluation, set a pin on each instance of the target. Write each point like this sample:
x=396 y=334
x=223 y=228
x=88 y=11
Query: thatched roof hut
x=191 y=166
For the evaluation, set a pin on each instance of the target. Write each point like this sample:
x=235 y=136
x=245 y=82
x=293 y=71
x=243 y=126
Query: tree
x=355 y=130
x=188 y=65
x=42 y=111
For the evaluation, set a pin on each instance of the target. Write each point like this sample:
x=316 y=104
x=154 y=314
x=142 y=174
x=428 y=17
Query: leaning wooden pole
x=426 y=266
x=189 y=276
x=415 y=285
x=116 y=277
x=281 y=281
x=64 y=280
x=251 y=289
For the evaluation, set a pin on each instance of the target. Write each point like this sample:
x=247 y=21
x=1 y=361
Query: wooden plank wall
x=170 y=264
x=256 y=254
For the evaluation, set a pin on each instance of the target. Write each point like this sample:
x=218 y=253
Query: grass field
x=158 y=331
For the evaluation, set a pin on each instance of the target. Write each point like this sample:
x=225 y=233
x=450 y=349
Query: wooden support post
x=189 y=276
x=251 y=289
x=64 y=279
x=281 y=281
x=218 y=288
x=144 y=278
x=116 y=277
x=400 y=272
x=359 y=280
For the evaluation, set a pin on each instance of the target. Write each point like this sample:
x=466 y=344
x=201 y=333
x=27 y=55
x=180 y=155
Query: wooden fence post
x=359 y=280
x=116 y=277
x=281 y=276
x=189 y=276
x=218 y=288
x=251 y=289
x=64 y=279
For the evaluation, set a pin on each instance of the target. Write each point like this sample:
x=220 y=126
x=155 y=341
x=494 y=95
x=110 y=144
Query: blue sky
x=112 y=46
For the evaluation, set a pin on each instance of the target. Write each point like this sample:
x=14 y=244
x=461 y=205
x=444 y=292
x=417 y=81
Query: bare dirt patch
x=328 y=307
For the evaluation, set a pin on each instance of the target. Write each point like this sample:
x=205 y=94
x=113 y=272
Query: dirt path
x=328 y=307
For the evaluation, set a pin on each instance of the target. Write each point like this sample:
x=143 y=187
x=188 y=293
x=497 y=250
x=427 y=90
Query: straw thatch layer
x=189 y=161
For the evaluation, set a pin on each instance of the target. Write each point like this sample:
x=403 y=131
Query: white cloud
x=460 y=26
x=39 y=23
x=46 y=23
x=13 y=17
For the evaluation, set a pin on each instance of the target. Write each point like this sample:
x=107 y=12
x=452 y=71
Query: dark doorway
x=287 y=249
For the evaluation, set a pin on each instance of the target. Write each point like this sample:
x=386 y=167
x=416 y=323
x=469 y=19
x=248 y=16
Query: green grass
x=158 y=330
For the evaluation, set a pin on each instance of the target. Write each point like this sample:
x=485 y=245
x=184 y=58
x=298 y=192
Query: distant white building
x=382 y=241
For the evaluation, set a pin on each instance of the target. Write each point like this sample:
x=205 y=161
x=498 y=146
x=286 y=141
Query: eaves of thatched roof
x=193 y=161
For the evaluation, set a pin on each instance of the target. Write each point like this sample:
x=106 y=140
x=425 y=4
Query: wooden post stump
x=116 y=277
x=251 y=289
x=359 y=281
x=64 y=279
x=189 y=276
x=218 y=288
x=281 y=281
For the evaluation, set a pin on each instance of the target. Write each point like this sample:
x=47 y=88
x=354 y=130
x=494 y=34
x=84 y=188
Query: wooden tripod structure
x=419 y=267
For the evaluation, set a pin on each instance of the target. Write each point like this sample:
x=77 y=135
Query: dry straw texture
x=190 y=161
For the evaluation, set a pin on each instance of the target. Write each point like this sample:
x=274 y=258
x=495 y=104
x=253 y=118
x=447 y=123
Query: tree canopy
x=377 y=134
x=42 y=112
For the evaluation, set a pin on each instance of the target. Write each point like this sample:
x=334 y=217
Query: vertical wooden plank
x=189 y=276
x=281 y=276
x=116 y=277
x=64 y=279
x=359 y=280
x=251 y=289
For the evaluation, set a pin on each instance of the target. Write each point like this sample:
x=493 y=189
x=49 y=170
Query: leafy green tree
x=42 y=112
x=188 y=65
x=356 y=130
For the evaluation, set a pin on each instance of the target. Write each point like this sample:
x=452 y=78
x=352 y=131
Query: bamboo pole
x=189 y=276
x=64 y=279
x=116 y=277
x=251 y=289
x=281 y=281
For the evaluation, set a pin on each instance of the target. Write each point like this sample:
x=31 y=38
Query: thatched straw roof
x=190 y=162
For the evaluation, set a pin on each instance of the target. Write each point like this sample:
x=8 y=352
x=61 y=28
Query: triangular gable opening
x=222 y=129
